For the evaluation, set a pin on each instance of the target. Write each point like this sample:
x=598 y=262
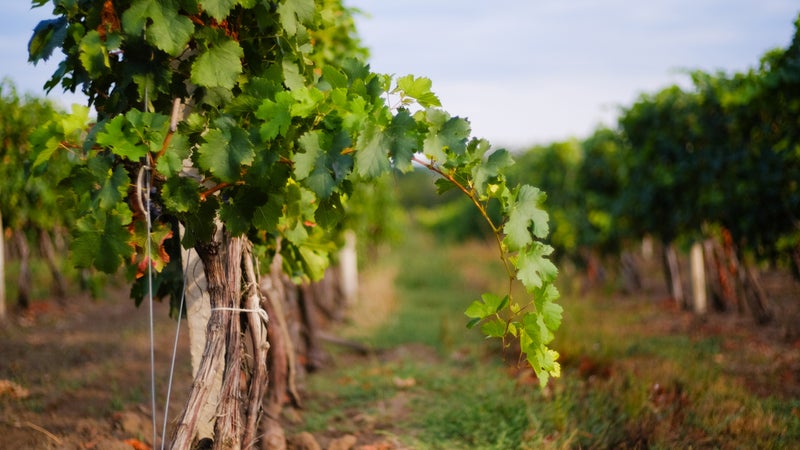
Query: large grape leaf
x=234 y=216
x=294 y=13
x=372 y=156
x=218 y=9
x=533 y=267
x=491 y=168
x=116 y=135
x=219 y=65
x=404 y=140
x=312 y=164
x=525 y=213
x=445 y=134
x=266 y=216
x=161 y=24
x=419 y=89
x=93 y=54
x=171 y=162
x=276 y=115
x=115 y=185
x=101 y=241
x=47 y=36
x=225 y=151
x=181 y=194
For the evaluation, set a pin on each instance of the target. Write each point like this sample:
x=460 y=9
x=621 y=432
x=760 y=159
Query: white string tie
x=260 y=311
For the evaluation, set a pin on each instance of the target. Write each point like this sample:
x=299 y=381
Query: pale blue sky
x=529 y=71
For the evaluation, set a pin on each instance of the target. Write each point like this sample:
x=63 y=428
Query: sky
x=523 y=72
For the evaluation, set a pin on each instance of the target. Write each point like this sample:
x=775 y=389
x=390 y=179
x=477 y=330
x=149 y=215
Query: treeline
x=715 y=164
x=31 y=219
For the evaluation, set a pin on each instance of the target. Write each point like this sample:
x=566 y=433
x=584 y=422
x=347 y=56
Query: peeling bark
x=258 y=326
x=222 y=294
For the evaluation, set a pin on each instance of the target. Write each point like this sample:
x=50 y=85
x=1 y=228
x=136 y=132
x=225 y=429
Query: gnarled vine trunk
x=222 y=261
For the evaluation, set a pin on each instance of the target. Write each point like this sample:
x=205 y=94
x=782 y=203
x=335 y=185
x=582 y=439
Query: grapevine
x=256 y=119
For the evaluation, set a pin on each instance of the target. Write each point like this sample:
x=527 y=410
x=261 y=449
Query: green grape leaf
x=490 y=169
x=47 y=36
x=233 y=216
x=161 y=24
x=294 y=13
x=335 y=77
x=266 y=216
x=74 y=124
x=218 y=9
x=533 y=268
x=454 y=135
x=494 y=328
x=525 y=212
x=330 y=212
x=306 y=101
x=552 y=314
x=296 y=234
x=489 y=305
x=404 y=140
x=225 y=151
x=101 y=241
x=372 y=153
x=312 y=164
x=292 y=77
x=219 y=66
x=200 y=223
x=546 y=294
x=315 y=262
x=171 y=162
x=354 y=113
x=544 y=363
x=276 y=115
x=304 y=162
x=477 y=310
x=181 y=194
x=445 y=134
x=93 y=54
x=113 y=190
x=419 y=89
x=117 y=136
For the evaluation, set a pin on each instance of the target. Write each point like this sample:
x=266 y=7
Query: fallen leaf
x=137 y=444
x=404 y=382
x=13 y=390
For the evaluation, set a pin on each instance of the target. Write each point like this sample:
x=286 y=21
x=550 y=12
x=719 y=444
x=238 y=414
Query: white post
x=698 y=278
x=198 y=312
x=348 y=262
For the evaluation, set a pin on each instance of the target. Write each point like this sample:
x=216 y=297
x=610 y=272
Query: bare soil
x=78 y=374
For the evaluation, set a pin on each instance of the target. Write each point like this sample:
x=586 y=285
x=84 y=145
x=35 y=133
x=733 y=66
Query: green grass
x=625 y=382
x=432 y=298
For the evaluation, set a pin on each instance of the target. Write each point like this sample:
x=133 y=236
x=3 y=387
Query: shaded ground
x=84 y=371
